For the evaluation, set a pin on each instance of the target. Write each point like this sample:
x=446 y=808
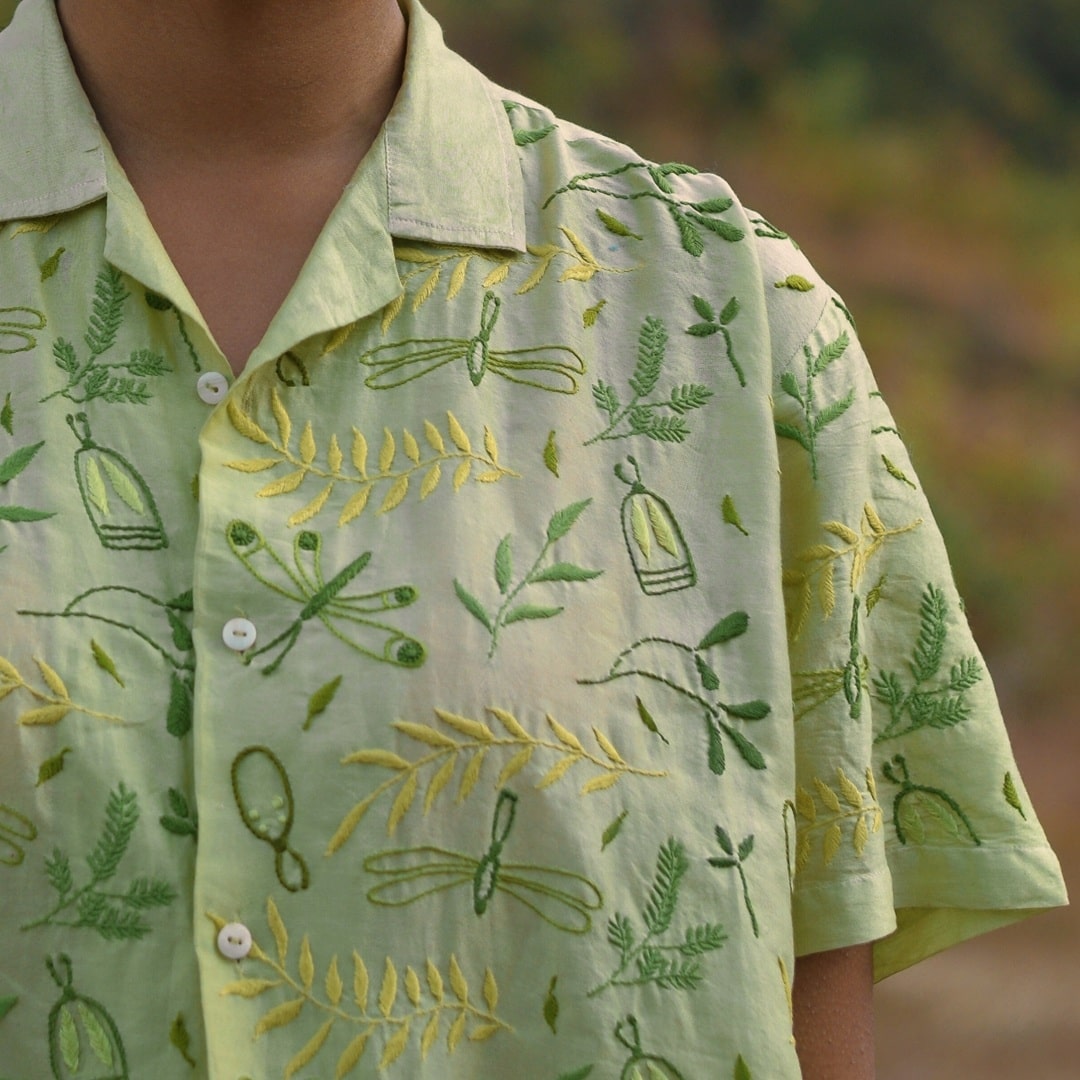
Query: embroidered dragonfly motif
x=561 y=898
x=305 y=584
x=547 y=367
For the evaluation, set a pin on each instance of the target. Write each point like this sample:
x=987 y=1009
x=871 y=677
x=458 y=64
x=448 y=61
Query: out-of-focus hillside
x=926 y=156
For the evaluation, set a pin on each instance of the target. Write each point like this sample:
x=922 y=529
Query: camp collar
x=452 y=174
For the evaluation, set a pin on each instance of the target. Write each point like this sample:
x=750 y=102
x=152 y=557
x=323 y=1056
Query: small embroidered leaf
x=614 y=225
x=457 y=981
x=359 y=452
x=567 y=738
x=285 y=486
x=607 y=747
x=605 y=399
x=749 y=710
x=530 y=611
x=350 y=1056
x=69 y=1040
x=491 y=990
x=181 y=1039
x=897 y=473
x=410 y=446
x=313 y=508
x=461 y=474
x=14 y=464
x=647 y=719
x=244 y=424
x=249 y=988
x=388 y=451
x=423 y=733
x=514 y=766
x=355 y=506
x=279 y=1016
x=104 y=661
x=742 y=1070
x=388 y=991
x=395 y=1046
x=431 y=480
x=474 y=729
x=334 y=457
x=7 y=415
x=321 y=700
x=52 y=766
x=471 y=775
x=360 y=982
x=563 y=572
x=503 y=565
x=600 y=783
x=457 y=434
x=281 y=415
x=510 y=722
x=6 y=1005
x=386 y=758
x=46 y=715
x=639 y=527
x=860 y=836
x=827 y=795
x=314 y=1045
x=457 y=1029
x=590 y=315
x=849 y=790
x=551 y=455
x=52 y=680
x=613 y=830
x=731 y=515
x=562 y=521
x=439 y=780
x=1012 y=796
x=472 y=605
x=394 y=497
x=727 y=629
x=431 y=1033
x=557 y=772
x=306 y=964
x=277 y=928
x=797 y=283
x=434 y=981
x=402 y=802
x=832 y=843
x=804 y=804
x=412 y=986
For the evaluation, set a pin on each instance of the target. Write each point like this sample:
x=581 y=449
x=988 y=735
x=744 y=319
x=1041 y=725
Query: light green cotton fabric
x=607 y=655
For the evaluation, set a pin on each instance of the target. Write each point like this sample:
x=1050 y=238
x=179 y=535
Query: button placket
x=239 y=634
x=234 y=941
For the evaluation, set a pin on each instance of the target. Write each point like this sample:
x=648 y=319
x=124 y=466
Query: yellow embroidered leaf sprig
x=455 y=739
x=584 y=264
x=843 y=806
x=817 y=564
x=398 y=466
x=429 y=267
x=53 y=703
x=402 y=1004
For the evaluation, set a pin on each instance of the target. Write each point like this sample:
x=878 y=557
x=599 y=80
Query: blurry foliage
x=925 y=156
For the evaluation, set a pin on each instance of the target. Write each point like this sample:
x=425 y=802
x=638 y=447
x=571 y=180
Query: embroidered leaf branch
x=918 y=807
x=926 y=700
x=460 y=739
x=182 y=819
x=719 y=715
x=584 y=265
x=734 y=857
x=818 y=563
x=816 y=419
x=718 y=324
x=646 y=180
x=660 y=420
x=53 y=702
x=812 y=689
x=669 y=965
x=526 y=136
x=118 y=606
x=405 y=1004
x=93 y=377
x=398 y=469
x=161 y=303
x=428 y=267
x=845 y=805
x=10 y=467
x=509 y=611
x=115 y=916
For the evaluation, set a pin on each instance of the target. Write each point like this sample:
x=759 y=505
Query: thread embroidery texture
x=16 y=829
x=10 y=468
x=81 y=1030
x=564 y=900
x=347 y=616
x=918 y=806
x=403 y=1004
x=508 y=613
x=397 y=474
x=546 y=367
x=650 y=961
x=264 y=797
x=461 y=738
x=662 y=421
x=845 y=805
x=115 y=916
x=18 y=329
x=718 y=324
x=733 y=858
x=53 y=704
x=654 y=541
x=632 y=663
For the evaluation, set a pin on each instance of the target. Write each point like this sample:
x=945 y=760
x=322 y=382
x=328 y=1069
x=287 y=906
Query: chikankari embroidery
x=461 y=738
x=403 y=1005
x=728 y=629
x=347 y=617
x=674 y=965
x=564 y=900
x=508 y=612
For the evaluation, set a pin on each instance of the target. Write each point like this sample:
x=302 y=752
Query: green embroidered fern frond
x=107 y=311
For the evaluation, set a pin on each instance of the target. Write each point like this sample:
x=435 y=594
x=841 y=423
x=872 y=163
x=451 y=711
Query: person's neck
x=260 y=81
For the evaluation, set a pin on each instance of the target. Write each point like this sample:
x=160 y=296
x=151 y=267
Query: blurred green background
x=927 y=157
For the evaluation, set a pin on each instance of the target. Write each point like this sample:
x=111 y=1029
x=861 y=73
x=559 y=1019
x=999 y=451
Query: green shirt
x=540 y=645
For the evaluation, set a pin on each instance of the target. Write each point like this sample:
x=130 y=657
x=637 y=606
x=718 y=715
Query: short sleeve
x=913 y=828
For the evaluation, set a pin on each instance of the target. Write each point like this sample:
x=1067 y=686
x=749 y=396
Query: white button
x=234 y=941
x=212 y=387
x=239 y=634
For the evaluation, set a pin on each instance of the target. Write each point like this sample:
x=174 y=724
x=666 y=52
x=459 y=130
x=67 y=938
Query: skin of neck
x=259 y=81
